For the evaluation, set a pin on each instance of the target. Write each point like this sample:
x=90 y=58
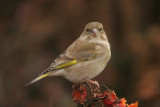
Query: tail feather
x=38 y=78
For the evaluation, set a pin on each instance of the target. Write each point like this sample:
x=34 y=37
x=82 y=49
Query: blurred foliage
x=34 y=32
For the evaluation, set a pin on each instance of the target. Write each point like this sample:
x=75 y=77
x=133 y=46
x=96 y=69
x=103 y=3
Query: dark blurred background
x=34 y=32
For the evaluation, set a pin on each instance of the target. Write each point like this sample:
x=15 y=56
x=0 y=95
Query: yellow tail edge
x=38 y=78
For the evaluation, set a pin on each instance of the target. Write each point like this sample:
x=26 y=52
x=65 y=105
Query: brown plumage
x=85 y=58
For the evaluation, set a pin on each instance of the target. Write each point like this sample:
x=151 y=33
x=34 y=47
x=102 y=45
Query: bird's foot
x=93 y=82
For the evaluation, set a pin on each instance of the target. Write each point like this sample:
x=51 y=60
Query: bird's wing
x=78 y=52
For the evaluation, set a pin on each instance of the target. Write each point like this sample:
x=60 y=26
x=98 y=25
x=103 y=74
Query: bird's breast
x=88 y=69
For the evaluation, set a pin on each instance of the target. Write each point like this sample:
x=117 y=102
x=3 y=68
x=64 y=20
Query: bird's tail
x=38 y=78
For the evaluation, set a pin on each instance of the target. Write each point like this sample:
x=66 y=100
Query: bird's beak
x=95 y=32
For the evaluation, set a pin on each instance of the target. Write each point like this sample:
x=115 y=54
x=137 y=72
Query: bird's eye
x=100 y=29
x=88 y=30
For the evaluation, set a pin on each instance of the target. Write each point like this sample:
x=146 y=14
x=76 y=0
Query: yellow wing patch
x=68 y=64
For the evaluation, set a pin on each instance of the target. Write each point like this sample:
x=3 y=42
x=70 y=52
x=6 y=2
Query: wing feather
x=78 y=52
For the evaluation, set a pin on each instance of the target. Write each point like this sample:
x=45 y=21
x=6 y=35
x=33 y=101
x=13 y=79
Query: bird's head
x=93 y=32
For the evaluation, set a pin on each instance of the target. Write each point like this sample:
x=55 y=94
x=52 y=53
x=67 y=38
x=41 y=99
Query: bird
x=84 y=59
